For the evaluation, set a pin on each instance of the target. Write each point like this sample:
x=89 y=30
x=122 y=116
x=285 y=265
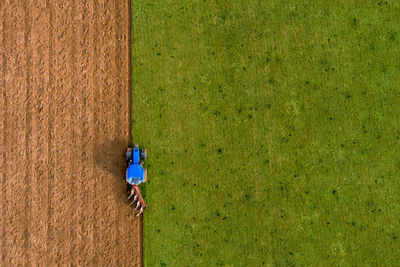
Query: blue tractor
x=135 y=175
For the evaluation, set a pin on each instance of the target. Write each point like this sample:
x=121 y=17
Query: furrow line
x=15 y=82
x=95 y=126
x=60 y=240
x=118 y=133
x=104 y=159
x=50 y=133
x=3 y=128
x=91 y=145
x=28 y=127
x=82 y=69
x=73 y=134
x=117 y=181
x=38 y=139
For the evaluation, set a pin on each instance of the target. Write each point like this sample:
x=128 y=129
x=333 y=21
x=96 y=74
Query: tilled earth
x=64 y=127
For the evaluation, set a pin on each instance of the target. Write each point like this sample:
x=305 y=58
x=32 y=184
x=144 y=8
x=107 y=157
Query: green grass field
x=272 y=129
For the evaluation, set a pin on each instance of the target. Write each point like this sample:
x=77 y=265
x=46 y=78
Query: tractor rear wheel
x=143 y=154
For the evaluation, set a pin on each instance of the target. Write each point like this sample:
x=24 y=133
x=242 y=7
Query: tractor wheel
x=143 y=154
x=128 y=154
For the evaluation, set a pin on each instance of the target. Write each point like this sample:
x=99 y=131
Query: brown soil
x=64 y=127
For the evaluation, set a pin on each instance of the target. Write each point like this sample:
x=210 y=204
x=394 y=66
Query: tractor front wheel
x=128 y=154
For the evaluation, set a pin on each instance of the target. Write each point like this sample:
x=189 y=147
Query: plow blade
x=135 y=191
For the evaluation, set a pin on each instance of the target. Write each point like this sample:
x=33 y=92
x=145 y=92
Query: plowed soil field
x=65 y=124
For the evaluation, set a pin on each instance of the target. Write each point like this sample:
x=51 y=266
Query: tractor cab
x=135 y=173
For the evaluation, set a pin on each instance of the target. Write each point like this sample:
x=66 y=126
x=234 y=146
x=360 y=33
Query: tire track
x=38 y=139
x=83 y=68
x=60 y=239
x=15 y=82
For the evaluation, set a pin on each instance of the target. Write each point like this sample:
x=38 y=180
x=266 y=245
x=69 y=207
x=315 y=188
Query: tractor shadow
x=110 y=157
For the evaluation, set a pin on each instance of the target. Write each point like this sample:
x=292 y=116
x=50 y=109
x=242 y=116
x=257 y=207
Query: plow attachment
x=137 y=197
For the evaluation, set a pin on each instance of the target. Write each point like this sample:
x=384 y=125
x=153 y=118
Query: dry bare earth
x=65 y=123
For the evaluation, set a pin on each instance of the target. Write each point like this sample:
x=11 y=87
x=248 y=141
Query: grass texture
x=272 y=130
